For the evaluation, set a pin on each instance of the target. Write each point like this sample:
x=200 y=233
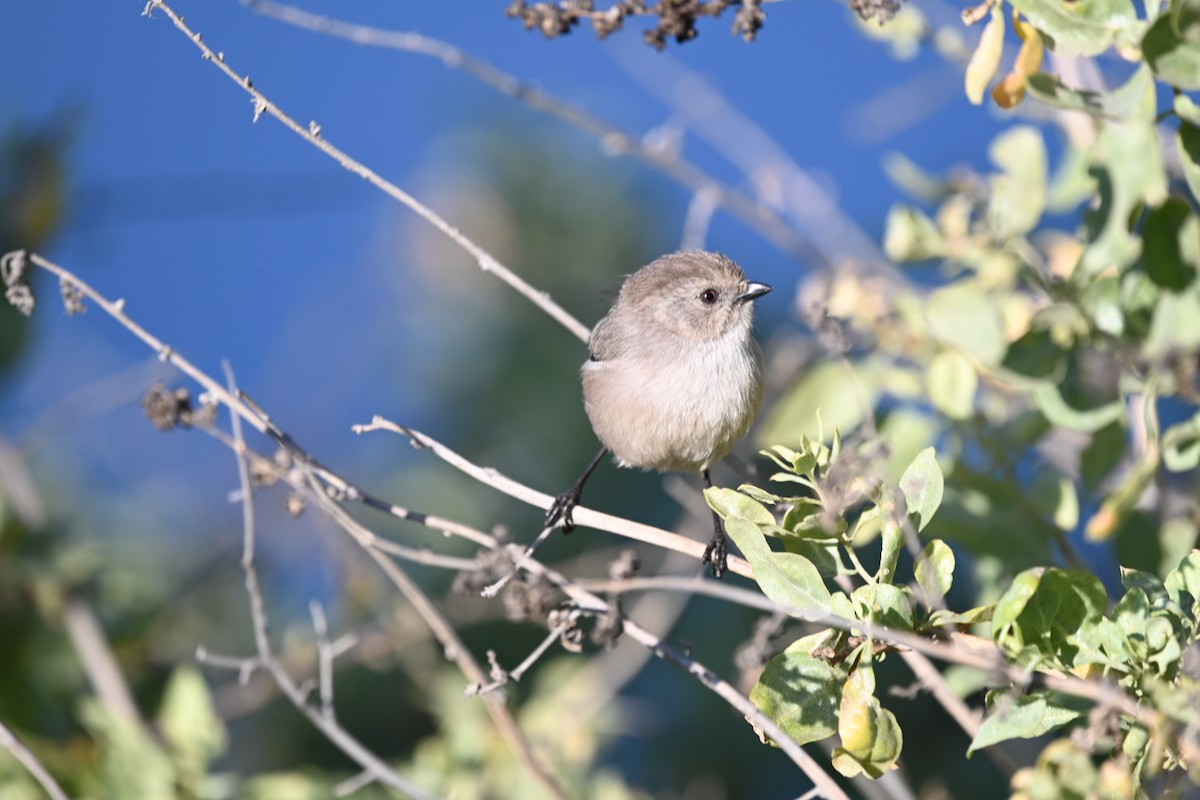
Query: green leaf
x=729 y=503
x=1102 y=456
x=1171 y=248
x=1025 y=717
x=1187 y=145
x=1040 y=618
x=824 y=553
x=790 y=580
x=871 y=737
x=132 y=764
x=1187 y=109
x=891 y=543
x=800 y=692
x=1125 y=102
x=1018 y=195
x=884 y=604
x=761 y=495
x=1175 y=326
x=1181 y=445
x=1083 y=27
x=1171 y=47
x=952 y=381
x=831 y=396
x=909 y=235
x=1058 y=413
x=190 y=725
x=906 y=432
x=804 y=517
x=1054 y=496
x=1183 y=585
x=923 y=485
x=1127 y=163
x=935 y=570
x=974 y=616
x=962 y=314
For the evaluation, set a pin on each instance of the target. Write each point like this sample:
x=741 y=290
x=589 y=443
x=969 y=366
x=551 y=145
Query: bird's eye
x=709 y=296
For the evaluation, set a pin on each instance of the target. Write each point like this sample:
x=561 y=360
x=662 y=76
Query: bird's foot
x=562 y=508
x=716 y=554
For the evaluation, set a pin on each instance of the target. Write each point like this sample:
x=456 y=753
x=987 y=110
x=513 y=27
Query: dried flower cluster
x=676 y=19
x=16 y=286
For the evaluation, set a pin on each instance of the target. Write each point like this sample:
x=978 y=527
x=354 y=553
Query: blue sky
x=231 y=239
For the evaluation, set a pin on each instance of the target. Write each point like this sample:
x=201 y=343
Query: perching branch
x=583 y=516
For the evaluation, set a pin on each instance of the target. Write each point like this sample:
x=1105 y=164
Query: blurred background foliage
x=1043 y=337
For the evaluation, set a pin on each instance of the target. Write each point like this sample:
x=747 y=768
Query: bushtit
x=674 y=377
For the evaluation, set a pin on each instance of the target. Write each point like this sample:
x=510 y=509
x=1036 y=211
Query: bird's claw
x=716 y=554
x=561 y=510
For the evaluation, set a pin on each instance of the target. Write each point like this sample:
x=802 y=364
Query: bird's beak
x=753 y=291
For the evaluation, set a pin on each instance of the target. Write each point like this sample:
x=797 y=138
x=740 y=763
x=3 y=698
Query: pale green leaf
x=1127 y=164
x=935 y=570
x=871 y=737
x=1181 y=445
x=884 y=604
x=1018 y=193
x=1082 y=27
x=1127 y=101
x=923 y=486
x=1058 y=413
x=800 y=692
x=790 y=580
x=964 y=315
x=1025 y=717
x=909 y=235
x=1055 y=497
x=1175 y=326
x=1171 y=47
x=951 y=381
x=729 y=503
x=831 y=396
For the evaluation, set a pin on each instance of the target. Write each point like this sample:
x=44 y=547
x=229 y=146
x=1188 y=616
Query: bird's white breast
x=679 y=413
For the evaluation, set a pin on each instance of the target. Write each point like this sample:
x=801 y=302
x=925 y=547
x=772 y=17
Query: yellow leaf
x=1009 y=92
x=1029 y=59
x=986 y=58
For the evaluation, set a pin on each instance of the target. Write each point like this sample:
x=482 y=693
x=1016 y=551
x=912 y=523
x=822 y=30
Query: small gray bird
x=674 y=377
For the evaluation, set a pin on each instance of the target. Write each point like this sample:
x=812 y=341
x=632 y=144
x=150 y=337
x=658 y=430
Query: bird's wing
x=605 y=342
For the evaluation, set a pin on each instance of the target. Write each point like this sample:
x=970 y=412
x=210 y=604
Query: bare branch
x=583 y=516
x=99 y=663
x=20 y=752
x=312 y=134
x=323 y=721
x=613 y=139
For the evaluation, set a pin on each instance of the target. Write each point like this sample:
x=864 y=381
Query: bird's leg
x=560 y=510
x=715 y=555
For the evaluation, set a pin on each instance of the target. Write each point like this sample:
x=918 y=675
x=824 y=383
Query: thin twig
x=265 y=658
x=583 y=516
x=613 y=139
x=324 y=658
x=99 y=663
x=451 y=643
x=834 y=236
x=10 y=742
x=312 y=134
